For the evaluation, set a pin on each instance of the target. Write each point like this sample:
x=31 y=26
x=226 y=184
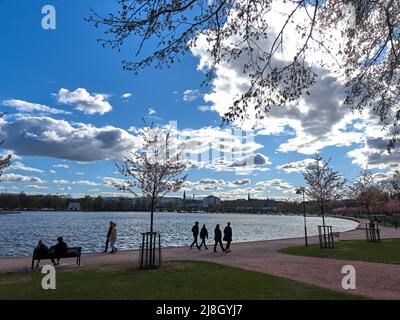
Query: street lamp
x=302 y=190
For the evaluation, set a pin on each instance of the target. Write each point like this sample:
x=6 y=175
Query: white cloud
x=191 y=95
x=45 y=136
x=151 y=111
x=126 y=95
x=111 y=182
x=205 y=108
x=52 y=171
x=84 y=101
x=296 y=166
x=317 y=120
x=65 y=166
x=13 y=177
x=86 y=183
x=36 y=187
x=276 y=184
x=61 y=181
x=20 y=166
x=27 y=107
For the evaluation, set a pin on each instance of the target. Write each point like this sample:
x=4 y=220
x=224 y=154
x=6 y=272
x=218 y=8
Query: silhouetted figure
x=195 y=231
x=228 y=237
x=41 y=250
x=60 y=250
x=113 y=238
x=203 y=236
x=108 y=235
x=218 y=238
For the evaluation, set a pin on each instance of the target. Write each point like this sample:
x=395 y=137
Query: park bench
x=73 y=252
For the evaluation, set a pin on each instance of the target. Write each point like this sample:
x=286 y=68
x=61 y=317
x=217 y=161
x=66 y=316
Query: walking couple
x=217 y=237
x=111 y=237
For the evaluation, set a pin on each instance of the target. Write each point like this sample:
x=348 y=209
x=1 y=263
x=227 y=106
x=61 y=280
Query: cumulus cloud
x=13 y=177
x=296 y=166
x=126 y=95
x=209 y=184
x=191 y=95
x=276 y=184
x=45 y=136
x=110 y=182
x=317 y=120
x=29 y=107
x=84 y=101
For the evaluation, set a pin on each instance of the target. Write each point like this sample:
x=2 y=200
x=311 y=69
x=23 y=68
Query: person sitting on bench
x=60 y=250
x=42 y=250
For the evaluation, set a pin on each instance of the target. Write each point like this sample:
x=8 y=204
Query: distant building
x=211 y=201
x=74 y=206
x=170 y=203
x=130 y=201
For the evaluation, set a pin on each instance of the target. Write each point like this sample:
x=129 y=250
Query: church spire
x=248 y=196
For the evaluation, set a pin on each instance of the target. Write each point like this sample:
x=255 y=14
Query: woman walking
x=203 y=236
x=228 y=237
x=113 y=238
x=218 y=238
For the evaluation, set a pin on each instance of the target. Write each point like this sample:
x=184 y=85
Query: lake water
x=19 y=233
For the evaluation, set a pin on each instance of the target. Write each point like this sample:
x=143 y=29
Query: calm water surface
x=19 y=233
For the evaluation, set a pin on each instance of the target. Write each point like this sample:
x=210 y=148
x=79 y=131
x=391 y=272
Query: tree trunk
x=151 y=233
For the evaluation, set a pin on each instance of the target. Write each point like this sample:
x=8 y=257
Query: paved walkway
x=374 y=280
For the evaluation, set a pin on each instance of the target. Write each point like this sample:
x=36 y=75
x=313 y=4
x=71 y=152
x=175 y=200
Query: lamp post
x=302 y=190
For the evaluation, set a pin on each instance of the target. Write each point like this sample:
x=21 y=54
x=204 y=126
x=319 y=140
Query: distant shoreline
x=183 y=212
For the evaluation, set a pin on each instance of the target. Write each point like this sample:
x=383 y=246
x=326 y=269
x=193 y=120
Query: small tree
x=5 y=161
x=324 y=184
x=394 y=185
x=153 y=170
x=365 y=190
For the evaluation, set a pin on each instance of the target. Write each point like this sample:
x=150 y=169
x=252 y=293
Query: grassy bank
x=175 y=280
x=386 y=251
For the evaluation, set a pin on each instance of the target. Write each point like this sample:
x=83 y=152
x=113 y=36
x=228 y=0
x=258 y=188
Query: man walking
x=195 y=231
x=203 y=236
x=228 y=237
x=108 y=236
x=218 y=238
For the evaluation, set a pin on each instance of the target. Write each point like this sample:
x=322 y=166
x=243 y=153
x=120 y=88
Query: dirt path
x=374 y=280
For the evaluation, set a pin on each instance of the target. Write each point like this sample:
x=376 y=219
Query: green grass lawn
x=386 y=251
x=175 y=280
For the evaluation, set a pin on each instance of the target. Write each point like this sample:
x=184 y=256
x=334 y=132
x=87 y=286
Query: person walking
x=108 y=236
x=195 y=231
x=228 y=237
x=218 y=238
x=113 y=238
x=203 y=236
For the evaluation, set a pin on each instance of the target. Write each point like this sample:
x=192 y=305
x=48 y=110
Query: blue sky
x=55 y=149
